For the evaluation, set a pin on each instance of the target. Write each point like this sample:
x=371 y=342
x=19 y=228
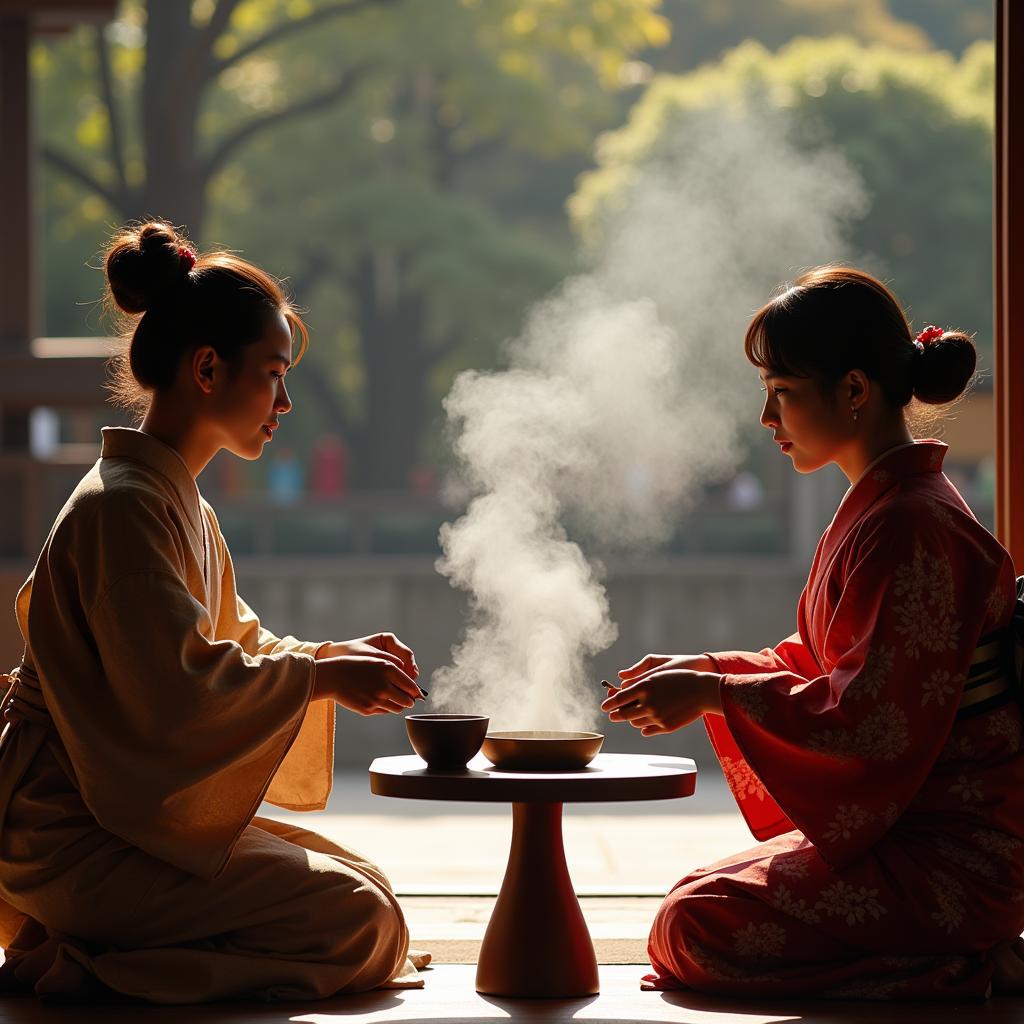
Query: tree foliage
x=346 y=144
x=405 y=162
x=951 y=24
x=702 y=31
x=916 y=126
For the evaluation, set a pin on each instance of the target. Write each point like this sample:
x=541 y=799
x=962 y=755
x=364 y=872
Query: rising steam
x=624 y=393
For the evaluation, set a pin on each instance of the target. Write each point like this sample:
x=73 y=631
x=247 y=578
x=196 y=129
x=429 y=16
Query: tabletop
x=608 y=777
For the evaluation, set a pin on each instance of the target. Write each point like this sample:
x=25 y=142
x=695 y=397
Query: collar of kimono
x=128 y=443
x=906 y=460
x=889 y=468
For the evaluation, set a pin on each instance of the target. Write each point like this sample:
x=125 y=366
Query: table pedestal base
x=537 y=943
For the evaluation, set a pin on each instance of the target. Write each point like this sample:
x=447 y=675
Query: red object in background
x=895 y=817
x=423 y=481
x=330 y=466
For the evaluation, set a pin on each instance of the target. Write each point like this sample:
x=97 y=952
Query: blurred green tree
x=383 y=205
x=702 y=31
x=916 y=126
x=952 y=24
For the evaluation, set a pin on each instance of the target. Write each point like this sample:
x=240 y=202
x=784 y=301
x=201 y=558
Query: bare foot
x=420 y=958
x=1009 y=964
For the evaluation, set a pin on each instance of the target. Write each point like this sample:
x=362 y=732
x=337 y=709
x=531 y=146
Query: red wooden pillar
x=1009 y=277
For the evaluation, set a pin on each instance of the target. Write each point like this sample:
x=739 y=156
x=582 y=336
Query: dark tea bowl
x=446 y=741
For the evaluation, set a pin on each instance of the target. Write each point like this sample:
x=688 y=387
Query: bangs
x=773 y=341
x=829 y=321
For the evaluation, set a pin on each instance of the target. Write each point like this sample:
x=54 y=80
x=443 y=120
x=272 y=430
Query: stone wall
x=680 y=606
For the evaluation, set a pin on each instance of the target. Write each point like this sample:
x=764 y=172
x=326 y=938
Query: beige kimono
x=151 y=716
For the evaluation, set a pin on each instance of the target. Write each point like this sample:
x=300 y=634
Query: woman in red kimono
x=877 y=751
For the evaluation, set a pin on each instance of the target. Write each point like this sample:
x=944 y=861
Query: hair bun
x=945 y=368
x=143 y=265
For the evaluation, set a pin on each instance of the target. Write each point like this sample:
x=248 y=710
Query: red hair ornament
x=929 y=334
x=187 y=257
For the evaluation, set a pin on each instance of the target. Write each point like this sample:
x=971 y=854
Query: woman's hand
x=662 y=693
x=367 y=685
x=652 y=662
x=379 y=645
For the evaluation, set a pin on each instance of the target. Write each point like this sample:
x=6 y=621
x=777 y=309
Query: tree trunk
x=391 y=324
x=391 y=328
x=175 y=188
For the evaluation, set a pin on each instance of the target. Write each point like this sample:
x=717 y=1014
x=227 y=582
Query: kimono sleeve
x=304 y=779
x=843 y=753
x=790 y=655
x=177 y=754
x=763 y=815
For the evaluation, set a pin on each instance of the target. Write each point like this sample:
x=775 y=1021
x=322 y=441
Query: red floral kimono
x=878 y=754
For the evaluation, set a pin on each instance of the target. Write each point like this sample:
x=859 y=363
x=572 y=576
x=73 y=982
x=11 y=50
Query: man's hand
x=662 y=693
x=379 y=645
x=367 y=685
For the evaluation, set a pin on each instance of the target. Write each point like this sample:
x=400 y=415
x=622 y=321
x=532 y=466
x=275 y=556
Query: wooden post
x=25 y=381
x=17 y=291
x=1009 y=278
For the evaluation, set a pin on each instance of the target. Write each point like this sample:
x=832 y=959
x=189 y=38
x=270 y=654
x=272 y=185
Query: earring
x=853 y=412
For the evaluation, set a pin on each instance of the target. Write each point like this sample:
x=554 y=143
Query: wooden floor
x=449 y=996
x=608 y=852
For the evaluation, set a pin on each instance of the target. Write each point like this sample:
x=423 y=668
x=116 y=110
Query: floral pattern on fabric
x=966 y=788
x=752 y=701
x=926 y=612
x=742 y=779
x=882 y=736
x=792 y=865
x=852 y=904
x=998 y=843
x=783 y=898
x=940 y=687
x=849 y=818
x=997 y=603
x=949 y=897
x=760 y=940
x=892 y=829
x=875 y=675
x=1003 y=724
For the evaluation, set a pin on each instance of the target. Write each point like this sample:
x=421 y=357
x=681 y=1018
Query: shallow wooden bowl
x=540 y=751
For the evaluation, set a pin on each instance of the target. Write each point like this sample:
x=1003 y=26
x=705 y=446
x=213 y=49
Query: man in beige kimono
x=150 y=717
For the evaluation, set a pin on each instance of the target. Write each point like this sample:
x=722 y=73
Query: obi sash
x=990 y=680
x=995 y=676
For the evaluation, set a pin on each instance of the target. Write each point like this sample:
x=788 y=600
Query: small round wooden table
x=537 y=944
